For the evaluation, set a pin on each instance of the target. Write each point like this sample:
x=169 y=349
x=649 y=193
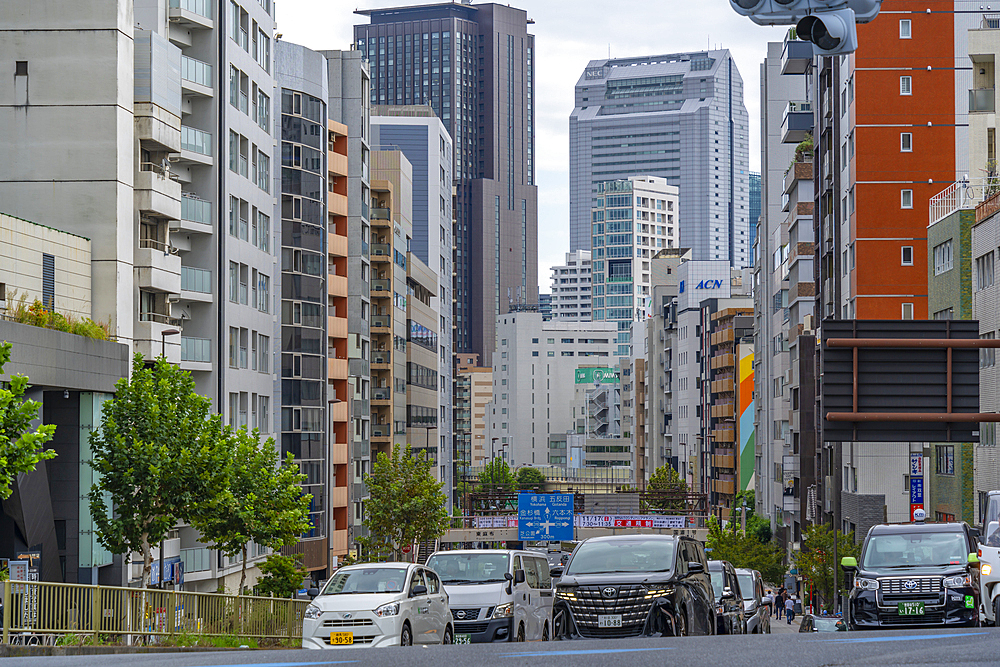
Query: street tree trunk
x=243 y=574
x=147 y=561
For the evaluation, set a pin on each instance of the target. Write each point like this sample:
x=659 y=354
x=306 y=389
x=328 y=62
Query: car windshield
x=718 y=583
x=366 y=580
x=469 y=568
x=918 y=549
x=825 y=624
x=634 y=555
x=992 y=538
x=746 y=586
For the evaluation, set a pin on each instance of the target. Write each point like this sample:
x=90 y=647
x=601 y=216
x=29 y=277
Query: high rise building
x=570 y=298
x=633 y=219
x=754 y=208
x=474 y=65
x=473 y=393
x=679 y=117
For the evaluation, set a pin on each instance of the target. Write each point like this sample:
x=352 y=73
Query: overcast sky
x=567 y=36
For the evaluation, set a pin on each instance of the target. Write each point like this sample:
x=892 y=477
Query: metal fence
x=130 y=615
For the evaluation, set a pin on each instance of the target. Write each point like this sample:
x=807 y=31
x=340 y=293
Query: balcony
x=381 y=324
x=724 y=386
x=337 y=327
x=797 y=122
x=725 y=487
x=381 y=252
x=380 y=214
x=381 y=360
x=338 y=453
x=196 y=354
x=337 y=245
x=196 y=77
x=725 y=462
x=338 y=413
x=338 y=542
x=723 y=411
x=337 y=285
x=795 y=56
x=724 y=435
x=196 y=284
x=196 y=215
x=157 y=193
x=191 y=14
x=337 y=164
x=382 y=396
x=723 y=361
x=158 y=267
x=381 y=285
x=149 y=340
x=982 y=100
x=196 y=146
x=336 y=369
x=338 y=496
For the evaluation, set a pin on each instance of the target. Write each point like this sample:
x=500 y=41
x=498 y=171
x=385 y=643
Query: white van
x=496 y=595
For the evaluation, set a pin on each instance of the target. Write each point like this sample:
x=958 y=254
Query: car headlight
x=655 y=593
x=388 y=609
x=958 y=581
x=313 y=612
x=565 y=594
x=986 y=569
x=866 y=584
x=504 y=611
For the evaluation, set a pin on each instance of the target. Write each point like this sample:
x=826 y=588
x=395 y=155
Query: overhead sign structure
x=545 y=517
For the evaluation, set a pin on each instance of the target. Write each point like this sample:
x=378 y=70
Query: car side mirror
x=418 y=590
x=508 y=576
x=313 y=592
x=556 y=572
x=519 y=576
x=727 y=594
x=695 y=567
x=974 y=559
x=849 y=563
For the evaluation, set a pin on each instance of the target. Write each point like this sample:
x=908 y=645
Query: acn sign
x=709 y=284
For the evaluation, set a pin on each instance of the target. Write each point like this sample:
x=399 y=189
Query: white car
x=379 y=604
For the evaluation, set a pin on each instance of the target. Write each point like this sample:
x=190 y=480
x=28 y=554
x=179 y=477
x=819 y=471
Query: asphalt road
x=976 y=646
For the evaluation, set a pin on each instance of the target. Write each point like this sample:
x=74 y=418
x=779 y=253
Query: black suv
x=633 y=585
x=728 y=598
x=915 y=575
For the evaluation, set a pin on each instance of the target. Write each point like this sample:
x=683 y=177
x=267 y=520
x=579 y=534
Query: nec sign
x=704 y=284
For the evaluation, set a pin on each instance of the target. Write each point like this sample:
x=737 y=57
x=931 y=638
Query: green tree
x=283 y=576
x=665 y=491
x=160 y=455
x=816 y=564
x=20 y=446
x=263 y=503
x=745 y=550
x=530 y=478
x=496 y=476
x=756 y=524
x=405 y=503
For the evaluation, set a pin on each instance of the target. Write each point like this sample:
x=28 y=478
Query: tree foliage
x=816 y=564
x=21 y=448
x=496 y=476
x=263 y=502
x=745 y=550
x=160 y=455
x=665 y=491
x=283 y=576
x=405 y=503
x=530 y=478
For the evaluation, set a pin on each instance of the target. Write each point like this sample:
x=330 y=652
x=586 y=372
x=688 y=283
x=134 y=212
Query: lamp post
x=163 y=340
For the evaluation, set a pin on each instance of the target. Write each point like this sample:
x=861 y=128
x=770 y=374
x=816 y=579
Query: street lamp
x=163 y=340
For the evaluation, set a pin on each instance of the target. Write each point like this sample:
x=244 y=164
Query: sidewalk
x=780 y=627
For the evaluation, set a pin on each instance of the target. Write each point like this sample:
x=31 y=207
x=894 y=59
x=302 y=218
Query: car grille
x=929 y=618
x=348 y=623
x=471 y=628
x=629 y=601
x=897 y=585
x=466 y=615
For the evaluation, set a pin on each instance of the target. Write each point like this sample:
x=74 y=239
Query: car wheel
x=545 y=632
x=406 y=637
x=449 y=636
x=680 y=624
x=520 y=633
x=996 y=612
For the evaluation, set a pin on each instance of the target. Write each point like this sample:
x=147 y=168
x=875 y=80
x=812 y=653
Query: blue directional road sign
x=545 y=516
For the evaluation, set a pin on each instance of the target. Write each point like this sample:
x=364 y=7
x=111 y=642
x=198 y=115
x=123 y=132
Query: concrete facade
x=571 y=288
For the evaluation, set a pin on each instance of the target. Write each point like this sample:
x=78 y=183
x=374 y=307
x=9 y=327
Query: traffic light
x=829 y=24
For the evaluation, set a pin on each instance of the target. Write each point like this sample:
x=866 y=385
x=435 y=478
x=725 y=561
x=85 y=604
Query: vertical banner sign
x=916 y=483
x=745 y=414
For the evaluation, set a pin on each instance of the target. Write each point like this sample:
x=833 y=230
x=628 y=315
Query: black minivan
x=916 y=574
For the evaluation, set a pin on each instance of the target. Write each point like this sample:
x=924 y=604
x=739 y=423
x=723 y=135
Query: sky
x=567 y=36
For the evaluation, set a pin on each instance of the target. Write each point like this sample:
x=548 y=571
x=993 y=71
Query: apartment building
x=423 y=343
x=533 y=380
x=679 y=117
x=633 y=219
x=474 y=65
x=571 y=288
x=473 y=393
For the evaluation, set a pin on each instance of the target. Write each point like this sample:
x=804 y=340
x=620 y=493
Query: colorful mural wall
x=745 y=435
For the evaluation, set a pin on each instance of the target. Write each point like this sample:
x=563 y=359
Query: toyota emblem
x=909 y=585
x=609 y=592
x=460 y=614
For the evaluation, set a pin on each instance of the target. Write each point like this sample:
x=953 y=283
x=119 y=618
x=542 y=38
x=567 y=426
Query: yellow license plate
x=341 y=638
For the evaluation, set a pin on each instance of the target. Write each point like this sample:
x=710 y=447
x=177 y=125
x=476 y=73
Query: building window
x=907 y=311
x=48 y=281
x=904 y=29
x=906 y=142
x=906 y=198
x=945 y=459
x=234 y=342
x=905 y=85
x=907 y=255
x=942 y=258
x=984 y=271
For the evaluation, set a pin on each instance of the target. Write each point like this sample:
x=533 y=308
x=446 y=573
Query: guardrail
x=131 y=615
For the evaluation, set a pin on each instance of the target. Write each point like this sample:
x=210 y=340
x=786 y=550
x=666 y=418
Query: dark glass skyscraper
x=474 y=65
x=754 y=208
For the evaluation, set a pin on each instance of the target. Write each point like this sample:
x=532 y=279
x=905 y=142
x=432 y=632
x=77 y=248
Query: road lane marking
x=863 y=640
x=585 y=652
x=283 y=664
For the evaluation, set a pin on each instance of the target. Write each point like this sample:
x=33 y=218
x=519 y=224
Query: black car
x=915 y=575
x=634 y=585
x=814 y=623
x=730 y=615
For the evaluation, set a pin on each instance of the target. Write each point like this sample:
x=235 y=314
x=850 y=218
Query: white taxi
x=379 y=604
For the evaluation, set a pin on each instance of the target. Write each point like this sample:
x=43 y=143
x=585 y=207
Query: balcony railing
x=152 y=244
x=982 y=100
x=379 y=214
x=196 y=141
x=196 y=71
x=199 y=7
x=160 y=318
x=382 y=430
x=194 y=209
x=196 y=349
x=382 y=394
x=196 y=280
x=381 y=285
x=381 y=321
x=381 y=249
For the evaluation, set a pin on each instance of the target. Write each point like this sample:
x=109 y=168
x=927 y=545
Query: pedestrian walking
x=779 y=605
x=790 y=609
